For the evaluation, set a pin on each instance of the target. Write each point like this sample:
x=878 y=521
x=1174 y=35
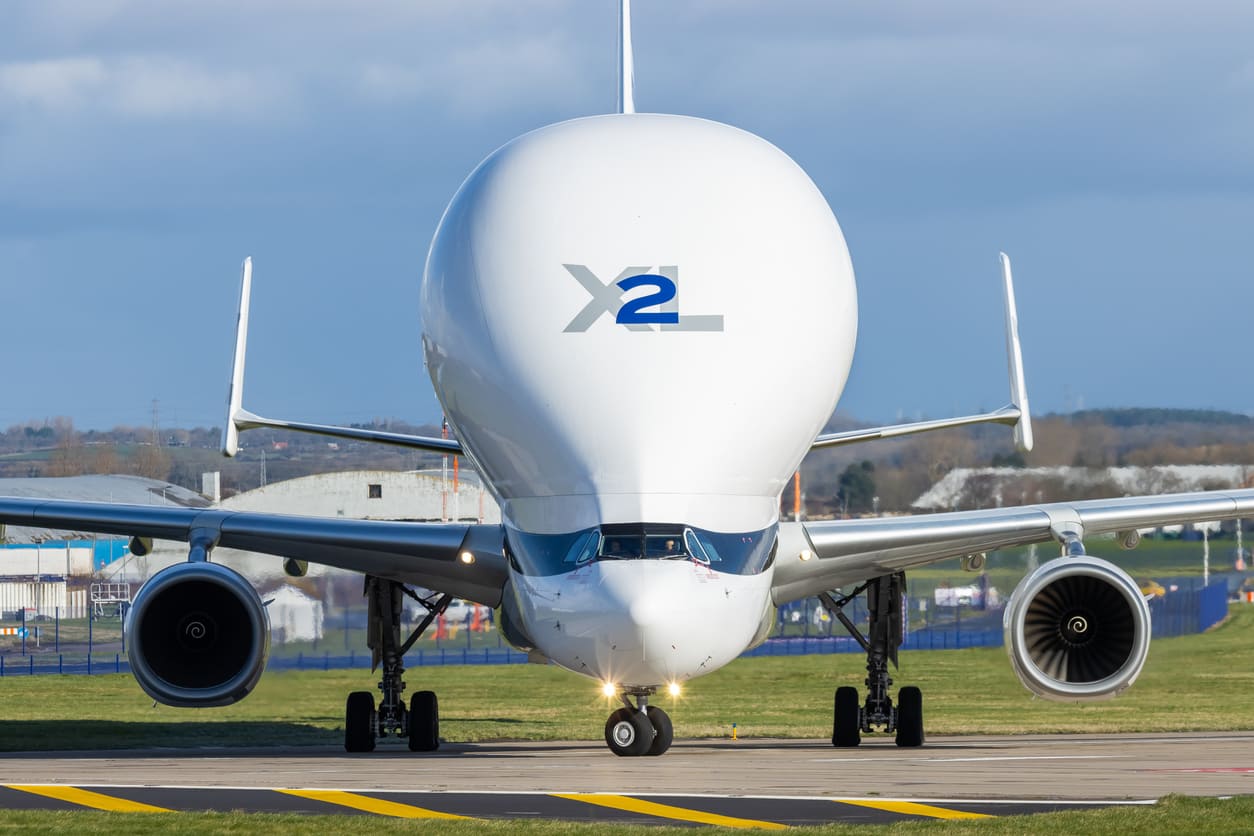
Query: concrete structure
x=49 y=598
x=374 y=495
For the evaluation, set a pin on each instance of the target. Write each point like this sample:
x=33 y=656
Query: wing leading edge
x=465 y=561
x=819 y=556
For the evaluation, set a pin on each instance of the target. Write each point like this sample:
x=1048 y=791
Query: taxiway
x=780 y=781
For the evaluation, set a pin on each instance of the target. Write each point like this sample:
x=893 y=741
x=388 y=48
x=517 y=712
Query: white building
x=294 y=616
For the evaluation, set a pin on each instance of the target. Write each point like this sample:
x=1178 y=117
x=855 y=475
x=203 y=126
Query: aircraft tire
x=359 y=722
x=424 y=722
x=846 y=718
x=664 y=731
x=628 y=733
x=909 y=717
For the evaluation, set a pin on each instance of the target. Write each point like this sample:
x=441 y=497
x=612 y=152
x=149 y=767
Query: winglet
x=626 y=61
x=235 y=395
x=1014 y=360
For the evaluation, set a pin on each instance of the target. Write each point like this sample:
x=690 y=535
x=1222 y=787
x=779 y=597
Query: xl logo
x=642 y=312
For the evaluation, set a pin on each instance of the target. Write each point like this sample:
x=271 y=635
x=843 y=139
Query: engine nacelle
x=1077 y=629
x=199 y=636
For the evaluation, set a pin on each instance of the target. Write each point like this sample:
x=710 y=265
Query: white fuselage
x=583 y=403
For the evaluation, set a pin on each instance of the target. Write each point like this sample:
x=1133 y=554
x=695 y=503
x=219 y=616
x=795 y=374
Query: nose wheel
x=637 y=730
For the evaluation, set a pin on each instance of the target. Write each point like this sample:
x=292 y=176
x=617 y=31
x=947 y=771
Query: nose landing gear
x=637 y=730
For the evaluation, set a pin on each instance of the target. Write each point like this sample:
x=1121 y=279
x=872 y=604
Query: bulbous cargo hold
x=199 y=636
x=1077 y=629
x=602 y=292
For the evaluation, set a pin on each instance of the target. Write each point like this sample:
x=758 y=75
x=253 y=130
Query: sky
x=146 y=147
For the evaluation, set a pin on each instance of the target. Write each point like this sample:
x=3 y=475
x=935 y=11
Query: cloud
x=51 y=85
x=140 y=86
x=483 y=77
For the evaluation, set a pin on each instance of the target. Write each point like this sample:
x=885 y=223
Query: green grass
x=1190 y=683
x=1172 y=815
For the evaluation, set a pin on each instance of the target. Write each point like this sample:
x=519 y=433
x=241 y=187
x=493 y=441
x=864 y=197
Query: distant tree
x=938 y=453
x=152 y=462
x=1011 y=459
x=103 y=458
x=69 y=459
x=856 y=487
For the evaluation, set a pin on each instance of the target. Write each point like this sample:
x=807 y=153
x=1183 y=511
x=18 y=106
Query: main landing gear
x=420 y=722
x=851 y=720
x=642 y=729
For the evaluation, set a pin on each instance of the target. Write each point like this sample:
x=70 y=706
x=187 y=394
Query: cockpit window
x=647 y=546
x=695 y=548
x=585 y=548
x=552 y=554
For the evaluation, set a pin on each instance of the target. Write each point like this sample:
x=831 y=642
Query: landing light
x=806 y=554
x=609 y=689
x=673 y=689
x=466 y=557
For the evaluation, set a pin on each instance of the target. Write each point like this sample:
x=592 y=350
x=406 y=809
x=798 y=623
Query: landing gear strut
x=850 y=720
x=420 y=722
x=642 y=729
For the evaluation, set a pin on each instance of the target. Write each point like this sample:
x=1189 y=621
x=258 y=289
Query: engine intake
x=1077 y=629
x=199 y=636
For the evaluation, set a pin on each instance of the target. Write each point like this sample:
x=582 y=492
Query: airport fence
x=98 y=645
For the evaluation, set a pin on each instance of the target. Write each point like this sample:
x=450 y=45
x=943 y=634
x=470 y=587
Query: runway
x=750 y=783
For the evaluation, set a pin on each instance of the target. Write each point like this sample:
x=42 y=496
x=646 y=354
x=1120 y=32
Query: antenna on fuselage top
x=626 y=65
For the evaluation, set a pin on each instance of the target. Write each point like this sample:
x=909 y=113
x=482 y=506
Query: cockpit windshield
x=552 y=554
x=635 y=545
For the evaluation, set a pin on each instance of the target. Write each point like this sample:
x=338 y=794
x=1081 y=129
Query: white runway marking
x=976 y=760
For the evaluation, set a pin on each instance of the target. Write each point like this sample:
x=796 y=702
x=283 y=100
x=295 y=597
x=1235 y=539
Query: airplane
x=637 y=441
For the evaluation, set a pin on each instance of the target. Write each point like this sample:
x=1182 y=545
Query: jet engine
x=1077 y=629
x=199 y=636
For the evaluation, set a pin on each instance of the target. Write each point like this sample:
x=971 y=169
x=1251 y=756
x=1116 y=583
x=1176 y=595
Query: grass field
x=1202 y=682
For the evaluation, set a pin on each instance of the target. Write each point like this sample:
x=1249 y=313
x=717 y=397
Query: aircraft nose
x=650 y=610
x=651 y=622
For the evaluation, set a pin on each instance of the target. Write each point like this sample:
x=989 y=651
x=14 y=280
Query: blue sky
x=146 y=147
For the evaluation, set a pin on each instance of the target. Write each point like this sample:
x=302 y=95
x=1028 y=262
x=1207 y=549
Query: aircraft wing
x=820 y=556
x=465 y=561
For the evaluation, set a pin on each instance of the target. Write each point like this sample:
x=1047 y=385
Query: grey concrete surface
x=1067 y=767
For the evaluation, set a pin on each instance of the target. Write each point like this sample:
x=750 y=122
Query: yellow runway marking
x=87 y=798
x=666 y=811
x=910 y=808
x=371 y=805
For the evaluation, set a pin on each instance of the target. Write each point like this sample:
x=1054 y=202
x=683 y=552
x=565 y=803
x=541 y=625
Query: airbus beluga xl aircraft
x=597 y=329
